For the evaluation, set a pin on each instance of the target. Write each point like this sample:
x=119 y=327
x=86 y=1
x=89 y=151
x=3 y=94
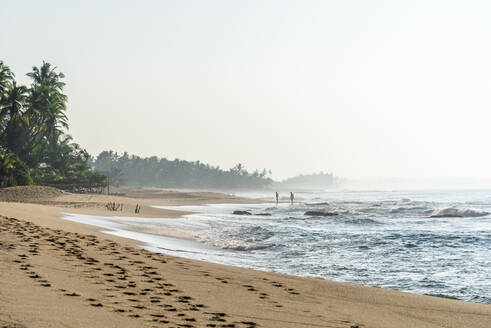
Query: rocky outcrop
x=249 y=213
x=242 y=213
x=320 y=213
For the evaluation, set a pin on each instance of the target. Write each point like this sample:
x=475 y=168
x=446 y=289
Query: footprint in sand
x=158 y=315
x=222 y=280
x=72 y=294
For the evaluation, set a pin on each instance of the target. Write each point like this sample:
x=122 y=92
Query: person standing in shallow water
x=292 y=197
x=277 y=197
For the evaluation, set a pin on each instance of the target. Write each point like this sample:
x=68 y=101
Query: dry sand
x=56 y=273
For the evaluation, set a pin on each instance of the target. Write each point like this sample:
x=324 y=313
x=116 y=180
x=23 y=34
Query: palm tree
x=6 y=76
x=12 y=109
x=47 y=101
x=8 y=160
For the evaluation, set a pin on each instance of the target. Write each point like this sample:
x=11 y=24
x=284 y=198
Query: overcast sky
x=357 y=88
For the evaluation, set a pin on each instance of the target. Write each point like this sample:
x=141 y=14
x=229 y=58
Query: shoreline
x=184 y=244
x=258 y=298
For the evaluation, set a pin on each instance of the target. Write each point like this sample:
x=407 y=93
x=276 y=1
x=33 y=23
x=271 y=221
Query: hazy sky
x=357 y=88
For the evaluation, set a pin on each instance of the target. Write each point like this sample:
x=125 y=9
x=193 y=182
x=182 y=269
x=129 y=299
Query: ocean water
x=426 y=242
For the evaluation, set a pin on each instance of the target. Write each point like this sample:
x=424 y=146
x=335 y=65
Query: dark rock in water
x=319 y=213
x=242 y=213
x=264 y=214
x=446 y=216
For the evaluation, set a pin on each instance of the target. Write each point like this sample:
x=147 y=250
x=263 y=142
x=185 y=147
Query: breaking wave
x=241 y=239
x=386 y=239
x=451 y=212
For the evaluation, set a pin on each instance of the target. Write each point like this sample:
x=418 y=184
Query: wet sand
x=57 y=273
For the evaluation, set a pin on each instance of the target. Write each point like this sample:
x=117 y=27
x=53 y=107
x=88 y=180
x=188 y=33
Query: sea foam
x=451 y=212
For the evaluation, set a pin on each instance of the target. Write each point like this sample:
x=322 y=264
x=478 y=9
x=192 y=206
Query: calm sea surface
x=426 y=242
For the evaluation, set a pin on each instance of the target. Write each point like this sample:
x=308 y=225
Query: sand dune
x=57 y=273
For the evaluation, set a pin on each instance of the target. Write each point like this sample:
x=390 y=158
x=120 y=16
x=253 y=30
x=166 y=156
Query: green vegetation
x=161 y=172
x=34 y=147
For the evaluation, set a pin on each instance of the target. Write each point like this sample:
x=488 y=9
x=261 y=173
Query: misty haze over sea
x=413 y=183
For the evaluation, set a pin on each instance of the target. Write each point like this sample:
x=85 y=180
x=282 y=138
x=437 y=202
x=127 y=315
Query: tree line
x=161 y=172
x=35 y=147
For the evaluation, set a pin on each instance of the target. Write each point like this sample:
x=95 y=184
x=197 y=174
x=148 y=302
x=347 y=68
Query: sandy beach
x=57 y=273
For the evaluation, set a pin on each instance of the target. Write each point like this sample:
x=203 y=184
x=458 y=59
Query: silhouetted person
x=292 y=197
x=277 y=196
